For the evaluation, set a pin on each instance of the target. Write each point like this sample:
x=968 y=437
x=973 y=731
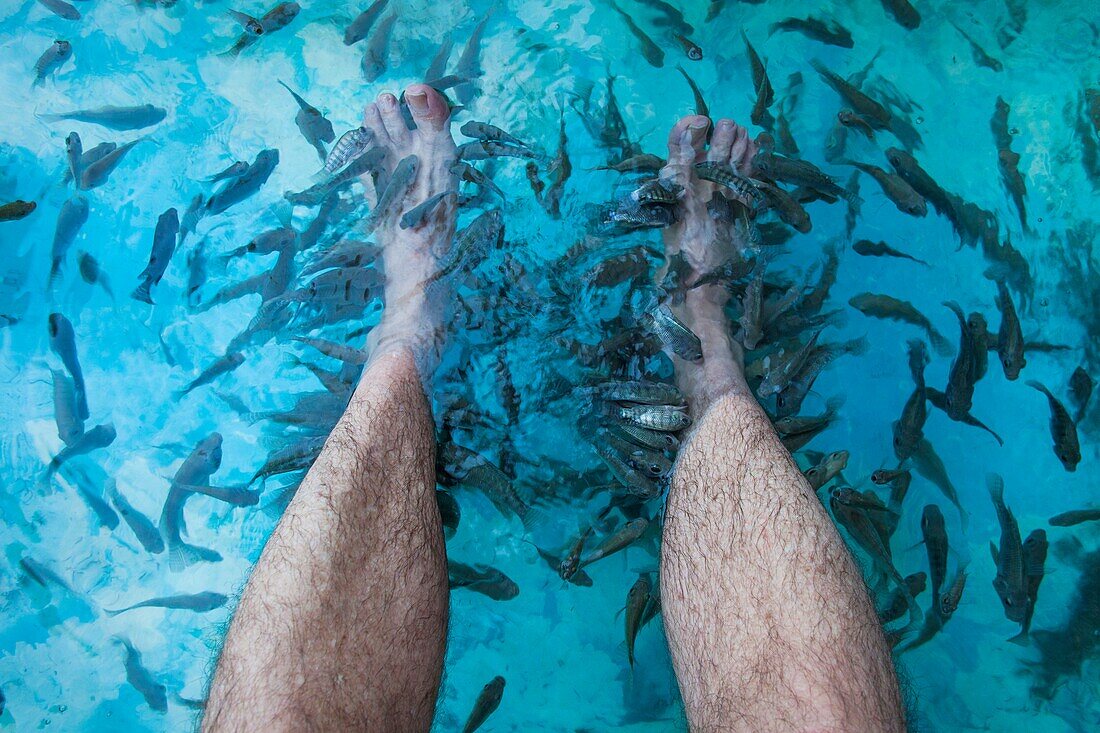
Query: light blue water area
x=560 y=647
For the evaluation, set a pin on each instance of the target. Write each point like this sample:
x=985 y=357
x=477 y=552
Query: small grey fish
x=828 y=32
x=1080 y=390
x=203 y=461
x=651 y=52
x=224 y=365
x=63 y=343
x=934 y=535
x=70 y=426
x=887 y=307
x=252 y=26
x=488 y=700
x=360 y=26
x=92 y=273
x=87 y=158
x=700 y=103
x=1075 y=516
x=907 y=200
x=1010 y=336
x=61 y=9
x=404 y=174
x=644 y=392
x=472 y=244
x=97 y=173
x=74 y=150
x=275 y=19
x=143 y=528
x=485 y=131
x=196 y=270
x=236 y=169
x=981 y=58
x=673 y=333
x=273 y=240
x=903 y=12
x=417 y=215
x=246 y=185
x=115 y=118
x=52 y=59
x=875 y=113
x=438 y=65
x=99 y=436
x=1035 y=549
x=15 y=210
x=867 y=248
x=908 y=430
x=656 y=417
x=481 y=579
x=469 y=62
x=155 y=694
x=485 y=149
x=192 y=216
x=1062 y=429
x=467 y=172
x=622 y=538
x=164 y=245
x=197 y=602
x=313 y=125
x=71 y=218
x=637 y=598
x=378 y=49
x=1009 y=582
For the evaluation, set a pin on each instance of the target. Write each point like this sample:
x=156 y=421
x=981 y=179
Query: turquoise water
x=559 y=646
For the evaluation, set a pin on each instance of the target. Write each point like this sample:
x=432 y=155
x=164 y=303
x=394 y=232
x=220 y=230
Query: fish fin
x=1021 y=638
x=533 y=519
x=115 y=612
x=182 y=555
x=996 y=486
x=994 y=551
x=141 y=292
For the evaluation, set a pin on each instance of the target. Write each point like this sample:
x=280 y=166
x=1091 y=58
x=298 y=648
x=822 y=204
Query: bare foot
x=412 y=319
x=706 y=244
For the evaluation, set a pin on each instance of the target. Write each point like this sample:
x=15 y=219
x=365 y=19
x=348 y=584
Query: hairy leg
x=343 y=622
x=768 y=619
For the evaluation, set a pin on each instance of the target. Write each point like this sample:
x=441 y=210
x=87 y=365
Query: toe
x=740 y=144
x=372 y=120
x=392 y=119
x=744 y=163
x=685 y=142
x=722 y=141
x=430 y=111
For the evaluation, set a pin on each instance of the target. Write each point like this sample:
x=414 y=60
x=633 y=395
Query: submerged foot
x=706 y=243
x=411 y=249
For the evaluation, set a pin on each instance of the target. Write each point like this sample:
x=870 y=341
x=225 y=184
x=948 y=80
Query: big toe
x=429 y=109
x=686 y=140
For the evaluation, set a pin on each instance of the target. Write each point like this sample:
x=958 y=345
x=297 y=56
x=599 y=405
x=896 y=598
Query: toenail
x=698 y=125
x=388 y=100
x=725 y=124
x=418 y=101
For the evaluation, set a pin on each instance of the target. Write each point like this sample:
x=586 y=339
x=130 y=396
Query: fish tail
x=182 y=555
x=939 y=343
x=141 y=292
x=532 y=519
x=1037 y=385
x=115 y=612
x=1022 y=638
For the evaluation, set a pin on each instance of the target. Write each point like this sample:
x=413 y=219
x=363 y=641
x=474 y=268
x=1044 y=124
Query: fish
x=378 y=49
x=959 y=392
x=115 y=118
x=876 y=115
x=896 y=605
x=934 y=534
x=1010 y=337
x=700 y=103
x=197 y=602
x=725 y=175
x=903 y=12
x=349 y=147
x=488 y=700
x=273 y=240
x=74 y=152
x=652 y=463
x=905 y=198
x=245 y=185
x=643 y=392
x=97 y=173
x=939 y=400
x=765 y=93
x=890 y=308
x=486 y=149
x=1010 y=581
x=143 y=528
x=16 y=210
x=236 y=169
x=637 y=599
x=670 y=418
x=1075 y=516
x=358 y=28
x=251 y=25
x=618 y=540
x=643 y=162
x=61 y=9
x=908 y=429
x=632 y=480
x=482 y=579
x=370 y=162
x=790 y=398
x=164 y=245
x=277 y=18
x=1080 y=390
x=672 y=332
x=910 y=170
x=63 y=343
x=789 y=210
x=99 y=436
x=828 y=468
x=70 y=219
x=467 y=172
x=469 y=62
x=1062 y=429
x=949 y=601
x=224 y=365
x=1008 y=161
x=70 y=426
x=930 y=465
x=752 y=317
x=404 y=174
x=867 y=248
x=472 y=244
x=92 y=273
x=691 y=49
x=313 y=125
x=1034 y=556
x=797 y=172
x=981 y=58
x=418 y=215
x=51 y=60
x=851 y=120
x=651 y=52
x=828 y=32
x=203 y=461
x=796 y=431
x=485 y=131
x=142 y=680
